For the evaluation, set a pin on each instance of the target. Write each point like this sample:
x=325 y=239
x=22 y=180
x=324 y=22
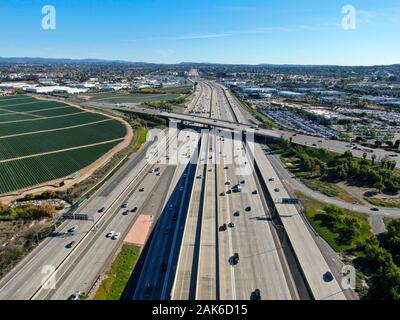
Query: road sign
x=290 y=201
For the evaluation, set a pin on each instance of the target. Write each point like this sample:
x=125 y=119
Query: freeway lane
x=186 y=274
x=309 y=256
x=92 y=263
x=164 y=246
x=207 y=283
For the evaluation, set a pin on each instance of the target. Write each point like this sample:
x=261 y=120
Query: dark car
x=102 y=210
x=223 y=227
x=125 y=213
x=236 y=214
x=235 y=259
x=134 y=210
x=70 y=245
x=328 y=277
x=248 y=209
x=256 y=295
x=149 y=289
x=375 y=209
x=255 y=192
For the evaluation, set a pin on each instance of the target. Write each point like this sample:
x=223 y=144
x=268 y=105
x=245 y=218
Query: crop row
x=24 y=173
x=20 y=146
x=49 y=124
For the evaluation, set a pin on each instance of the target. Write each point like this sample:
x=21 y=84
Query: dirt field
x=140 y=230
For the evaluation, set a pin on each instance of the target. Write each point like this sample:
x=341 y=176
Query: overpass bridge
x=188 y=118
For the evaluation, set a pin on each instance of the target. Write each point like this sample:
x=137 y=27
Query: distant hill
x=58 y=60
x=183 y=64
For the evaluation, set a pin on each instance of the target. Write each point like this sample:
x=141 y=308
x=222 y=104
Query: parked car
x=236 y=214
x=223 y=227
x=134 y=210
x=102 y=210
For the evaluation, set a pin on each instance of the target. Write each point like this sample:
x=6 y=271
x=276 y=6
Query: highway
x=154 y=281
x=211 y=275
x=308 y=254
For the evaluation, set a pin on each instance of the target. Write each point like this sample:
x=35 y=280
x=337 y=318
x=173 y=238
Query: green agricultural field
x=43 y=140
x=171 y=93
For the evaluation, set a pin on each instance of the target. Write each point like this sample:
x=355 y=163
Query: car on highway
x=256 y=295
x=375 y=209
x=70 y=245
x=116 y=236
x=163 y=267
x=236 y=214
x=393 y=155
x=75 y=296
x=328 y=277
x=149 y=289
x=235 y=259
x=134 y=210
x=110 y=234
x=73 y=229
x=101 y=210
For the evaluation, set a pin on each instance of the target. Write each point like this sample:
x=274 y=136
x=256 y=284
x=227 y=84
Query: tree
x=373 y=159
x=48 y=210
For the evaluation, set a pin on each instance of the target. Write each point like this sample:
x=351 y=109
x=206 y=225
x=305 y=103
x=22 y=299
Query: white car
x=110 y=234
x=73 y=229
x=75 y=296
x=116 y=236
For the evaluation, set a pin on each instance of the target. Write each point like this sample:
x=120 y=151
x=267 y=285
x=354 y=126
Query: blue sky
x=219 y=31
